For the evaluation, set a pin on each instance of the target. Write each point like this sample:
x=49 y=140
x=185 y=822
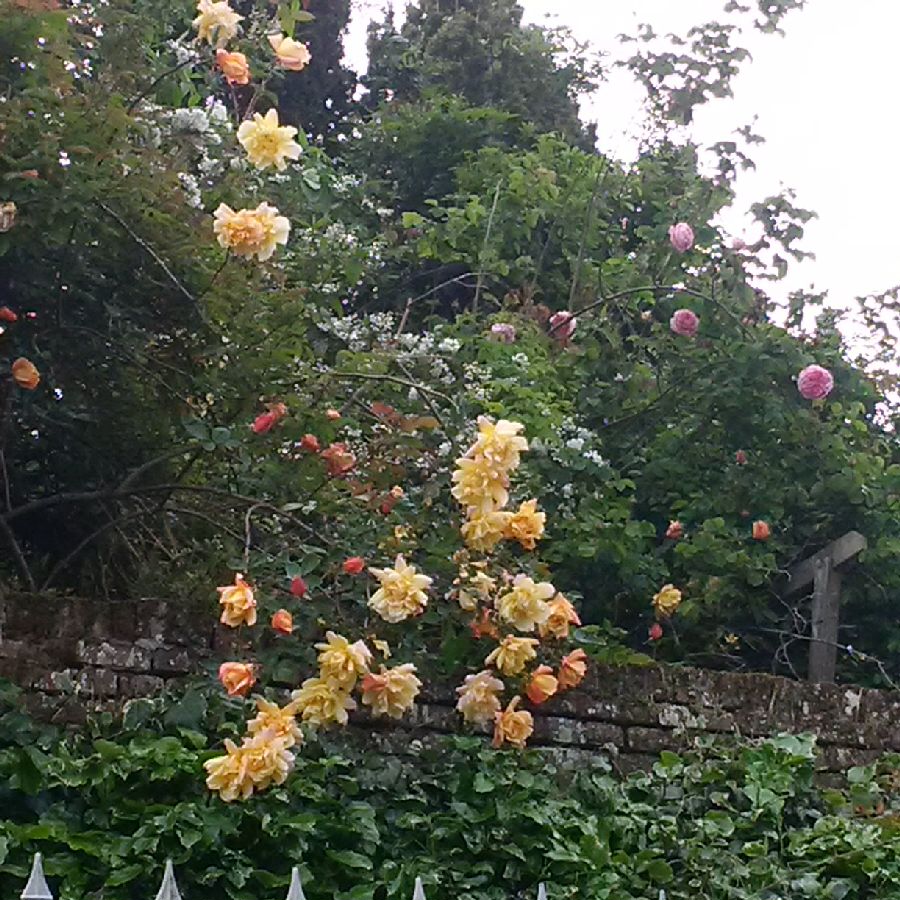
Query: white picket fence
x=38 y=889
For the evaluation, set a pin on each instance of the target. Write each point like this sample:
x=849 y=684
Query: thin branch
x=395 y=380
x=413 y=300
x=148 y=249
x=18 y=555
x=487 y=236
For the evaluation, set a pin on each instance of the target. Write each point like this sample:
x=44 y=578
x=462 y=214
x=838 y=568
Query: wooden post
x=823 y=571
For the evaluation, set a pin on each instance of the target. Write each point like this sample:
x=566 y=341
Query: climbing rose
x=25 y=374
x=321 y=703
x=542 y=685
x=338 y=459
x=291 y=54
x=815 y=383
x=675 y=531
x=342 y=663
x=484 y=627
x=238 y=603
x=234 y=66
x=667 y=601
x=562 y=615
x=525 y=606
x=681 y=236
x=478 y=701
x=402 y=593
x=267 y=143
x=655 y=632
x=298 y=587
x=562 y=326
x=266 y=421
x=513 y=654
x=310 y=443
x=278 y=721
x=572 y=669
x=260 y=761
x=738 y=244
x=237 y=678
x=684 y=323
x=7 y=216
x=217 y=22
x=740 y=458
x=7 y=315
x=482 y=532
x=512 y=726
x=392 y=692
x=527 y=525
x=250 y=232
x=283 y=622
x=761 y=531
x=354 y=565
x=503 y=332
x=332 y=414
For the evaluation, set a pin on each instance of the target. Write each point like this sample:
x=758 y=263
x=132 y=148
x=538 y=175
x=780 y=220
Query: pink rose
x=685 y=322
x=815 y=383
x=681 y=236
x=738 y=244
x=503 y=332
x=562 y=326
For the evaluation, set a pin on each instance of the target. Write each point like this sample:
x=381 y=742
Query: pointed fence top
x=37 y=887
x=542 y=891
x=168 y=890
x=419 y=891
x=295 y=891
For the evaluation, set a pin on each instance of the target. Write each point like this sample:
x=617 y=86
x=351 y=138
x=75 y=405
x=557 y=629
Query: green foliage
x=107 y=808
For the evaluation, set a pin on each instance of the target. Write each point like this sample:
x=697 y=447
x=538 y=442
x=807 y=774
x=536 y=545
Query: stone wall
x=72 y=656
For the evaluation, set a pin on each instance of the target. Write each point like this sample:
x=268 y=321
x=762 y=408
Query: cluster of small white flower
x=577 y=439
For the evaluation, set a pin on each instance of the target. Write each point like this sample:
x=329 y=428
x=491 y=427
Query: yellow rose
x=7 y=216
x=477 y=486
x=542 y=685
x=562 y=615
x=319 y=702
x=513 y=654
x=259 y=762
x=667 y=601
x=512 y=726
x=392 y=692
x=277 y=720
x=238 y=603
x=267 y=143
x=499 y=444
x=525 y=607
x=341 y=663
x=291 y=54
x=485 y=530
x=402 y=592
x=217 y=22
x=527 y=525
x=478 y=698
x=251 y=232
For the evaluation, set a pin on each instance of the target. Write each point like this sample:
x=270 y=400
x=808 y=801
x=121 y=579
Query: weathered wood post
x=823 y=572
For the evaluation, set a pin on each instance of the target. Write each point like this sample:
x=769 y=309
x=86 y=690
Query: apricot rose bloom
x=542 y=685
x=562 y=615
x=267 y=143
x=392 y=692
x=479 y=487
x=251 y=232
x=237 y=678
x=527 y=525
x=402 y=592
x=500 y=443
x=291 y=54
x=278 y=721
x=761 y=530
x=25 y=374
x=257 y=763
x=513 y=726
x=238 y=603
x=234 y=66
x=667 y=601
x=478 y=698
x=217 y=22
x=525 y=607
x=484 y=530
x=513 y=654
x=572 y=669
x=283 y=622
x=341 y=663
x=319 y=702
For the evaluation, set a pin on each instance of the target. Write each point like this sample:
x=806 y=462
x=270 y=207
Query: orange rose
x=283 y=622
x=572 y=669
x=237 y=678
x=238 y=603
x=338 y=459
x=761 y=531
x=484 y=627
x=542 y=685
x=7 y=315
x=675 y=531
x=512 y=726
x=332 y=414
x=354 y=565
x=234 y=67
x=310 y=443
x=25 y=374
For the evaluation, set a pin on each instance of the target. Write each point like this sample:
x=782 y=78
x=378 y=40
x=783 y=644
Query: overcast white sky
x=825 y=96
